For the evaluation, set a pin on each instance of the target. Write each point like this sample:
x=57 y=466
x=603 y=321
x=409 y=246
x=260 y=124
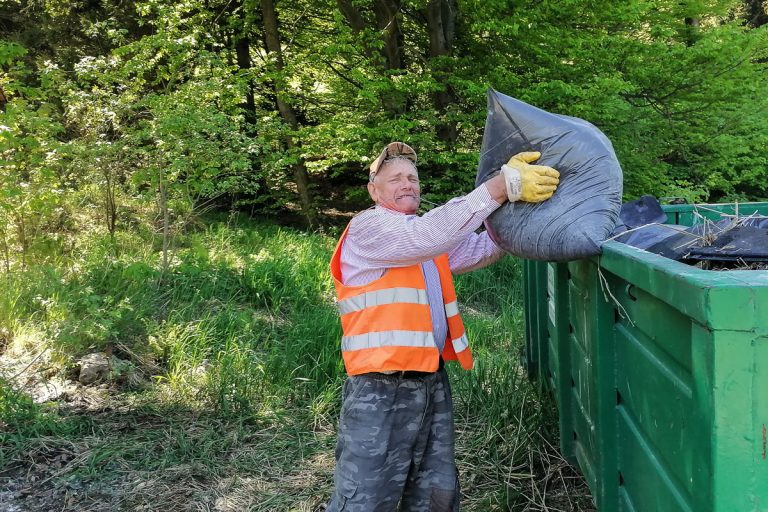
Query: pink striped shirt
x=379 y=238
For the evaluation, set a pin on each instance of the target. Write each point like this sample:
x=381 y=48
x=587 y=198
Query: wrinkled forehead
x=398 y=165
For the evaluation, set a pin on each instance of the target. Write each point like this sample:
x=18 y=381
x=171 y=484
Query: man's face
x=396 y=186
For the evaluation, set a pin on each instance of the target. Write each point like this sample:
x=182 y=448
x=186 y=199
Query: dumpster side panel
x=581 y=380
x=559 y=358
x=536 y=332
x=605 y=386
x=554 y=302
x=660 y=373
x=654 y=407
x=740 y=476
x=759 y=461
x=592 y=382
x=530 y=358
x=738 y=383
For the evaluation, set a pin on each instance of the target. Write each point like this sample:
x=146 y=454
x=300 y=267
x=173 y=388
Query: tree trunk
x=352 y=15
x=243 y=49
x=243 y=52
x=389 y=57
x=236 y=35
x=756 y=13
x=300 y=175
x=691 y=31
x=6 y=250
x=388 y=23
x=441 y=26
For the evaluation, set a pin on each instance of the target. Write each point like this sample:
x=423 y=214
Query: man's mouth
x=406 y=195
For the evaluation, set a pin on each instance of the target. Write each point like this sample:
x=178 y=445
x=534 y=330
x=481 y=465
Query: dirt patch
x=132 y=454
x=22 y=493
x=183 y=487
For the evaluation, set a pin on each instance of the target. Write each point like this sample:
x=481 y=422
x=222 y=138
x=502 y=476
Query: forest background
x=152 y=153
x=280 y=106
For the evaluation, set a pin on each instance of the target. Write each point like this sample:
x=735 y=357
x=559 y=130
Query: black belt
x=412 y=374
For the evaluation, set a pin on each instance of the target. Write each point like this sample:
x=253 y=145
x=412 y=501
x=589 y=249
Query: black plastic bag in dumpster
x=650 y=235
x=716 y=241
x=644 y=220
x=740 y=239
x=581 y=215
x=646 y=210
x=729 y=239
x=756 y=221
x=739 y=243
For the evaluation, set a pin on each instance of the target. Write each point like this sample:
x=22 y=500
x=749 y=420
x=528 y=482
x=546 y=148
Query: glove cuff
x=513 y=181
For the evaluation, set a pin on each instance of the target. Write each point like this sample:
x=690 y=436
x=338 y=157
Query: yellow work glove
x=526 y=182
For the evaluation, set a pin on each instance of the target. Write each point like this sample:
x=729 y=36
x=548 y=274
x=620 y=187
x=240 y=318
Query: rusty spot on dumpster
x=765 y=437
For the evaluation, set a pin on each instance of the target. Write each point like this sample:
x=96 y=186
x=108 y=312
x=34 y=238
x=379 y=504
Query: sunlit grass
x=240 y=331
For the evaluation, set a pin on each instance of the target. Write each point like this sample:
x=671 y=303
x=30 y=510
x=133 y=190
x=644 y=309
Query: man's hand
x=526 y=182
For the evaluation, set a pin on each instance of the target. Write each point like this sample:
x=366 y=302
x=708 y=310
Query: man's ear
x=373 y=192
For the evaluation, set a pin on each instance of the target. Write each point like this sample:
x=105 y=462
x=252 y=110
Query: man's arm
x=389 y=239
x=474 y=252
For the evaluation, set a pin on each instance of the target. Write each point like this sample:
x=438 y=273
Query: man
x=392 y=271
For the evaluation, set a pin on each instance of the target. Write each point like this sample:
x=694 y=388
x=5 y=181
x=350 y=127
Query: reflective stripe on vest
x=460 y=344
x=387 y=339
x=379 y=297
x=452 y=309
x=387 y=323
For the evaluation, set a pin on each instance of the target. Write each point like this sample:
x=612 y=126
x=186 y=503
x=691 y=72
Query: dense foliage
x=231 y=370
x=121 y=123
x=119 y=114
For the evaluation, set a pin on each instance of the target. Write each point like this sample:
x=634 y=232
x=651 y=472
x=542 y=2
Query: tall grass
x=499 y=412
x=243 y=326
x=244 y=316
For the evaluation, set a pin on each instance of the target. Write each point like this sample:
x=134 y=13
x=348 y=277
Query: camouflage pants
x=395 y=445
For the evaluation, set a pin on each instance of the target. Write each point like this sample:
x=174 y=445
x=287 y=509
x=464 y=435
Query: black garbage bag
x=739 y=243
x=641 y=225
x=717 y=241
x=756 y=221
x=640 y=212
x=643 y=222
x=582 y=213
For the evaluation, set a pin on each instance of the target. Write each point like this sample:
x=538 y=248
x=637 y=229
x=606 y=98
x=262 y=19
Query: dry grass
x=233 y=415
x=178 y=461
x=173 y=461
x=516 y=471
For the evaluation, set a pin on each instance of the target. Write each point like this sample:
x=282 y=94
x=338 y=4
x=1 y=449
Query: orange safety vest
x=386 y=324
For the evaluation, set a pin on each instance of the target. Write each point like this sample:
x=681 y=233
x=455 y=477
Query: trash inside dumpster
x=659 y=368
x=736 y=240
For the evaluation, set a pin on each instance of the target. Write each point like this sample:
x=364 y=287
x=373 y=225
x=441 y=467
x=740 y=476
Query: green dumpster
x=660 y=374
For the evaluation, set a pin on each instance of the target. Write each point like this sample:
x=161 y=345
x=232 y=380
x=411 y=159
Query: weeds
x=236 y=352
x=22 y=420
